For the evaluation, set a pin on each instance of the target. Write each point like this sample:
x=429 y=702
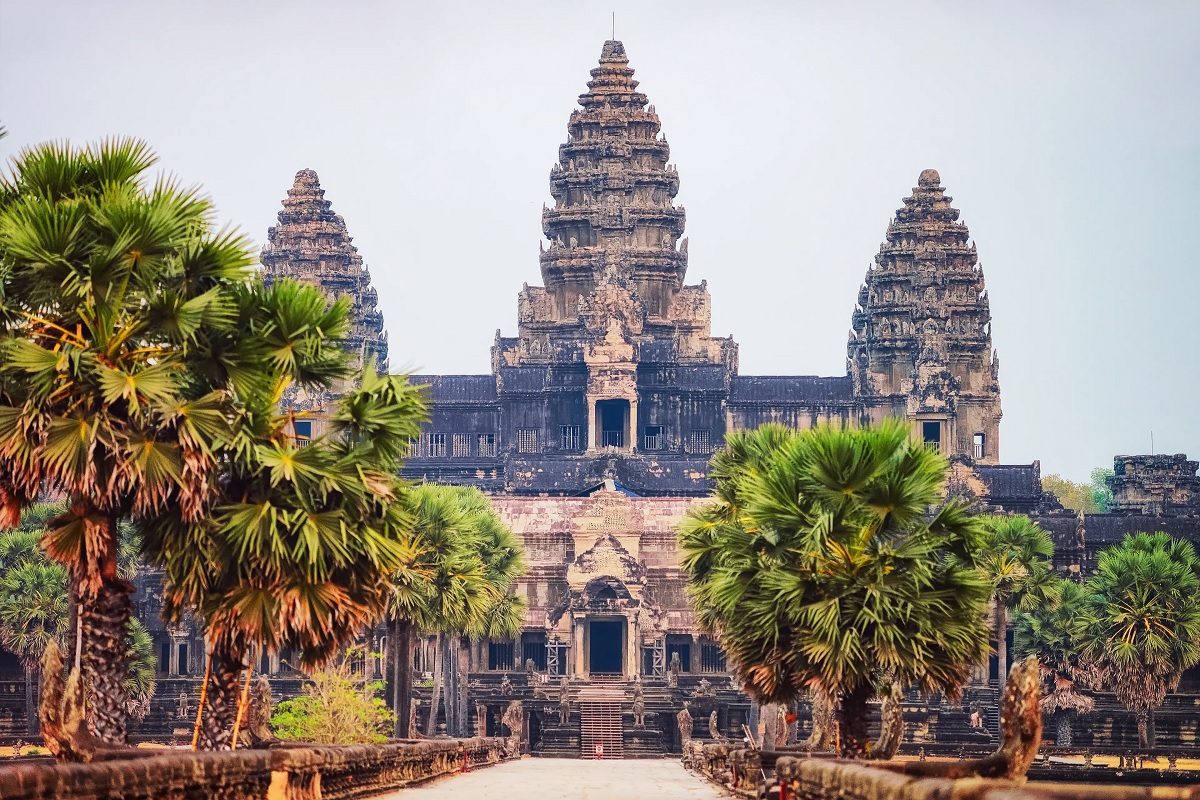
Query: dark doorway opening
x=614 y=422
x=605 y=651
x=931 y=432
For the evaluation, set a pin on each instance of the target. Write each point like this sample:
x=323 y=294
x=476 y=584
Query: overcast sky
x=1068 y=134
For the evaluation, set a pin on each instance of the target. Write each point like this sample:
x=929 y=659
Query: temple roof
x=311 y=244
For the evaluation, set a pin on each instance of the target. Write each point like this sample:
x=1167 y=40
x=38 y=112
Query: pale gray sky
x=1068 y=134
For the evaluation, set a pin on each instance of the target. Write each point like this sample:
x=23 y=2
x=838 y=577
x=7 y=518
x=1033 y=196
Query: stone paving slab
x=535 y=778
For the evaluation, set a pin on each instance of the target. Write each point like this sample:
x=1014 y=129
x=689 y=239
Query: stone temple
x=594 y=428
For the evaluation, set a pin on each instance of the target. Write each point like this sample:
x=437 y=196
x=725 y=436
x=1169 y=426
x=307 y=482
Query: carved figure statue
x=714 y=730
x=574 y=242
x=564 y=702
x=530 y=669
x=705 y=689
x=673 y=671
x=506 y=685
x=480 y=719
x=639 y=706
x=684 y=720
x=258 y=715
x=514 y=720
x=182 y=709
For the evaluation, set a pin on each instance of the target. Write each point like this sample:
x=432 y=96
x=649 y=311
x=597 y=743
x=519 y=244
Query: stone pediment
x=606 y=559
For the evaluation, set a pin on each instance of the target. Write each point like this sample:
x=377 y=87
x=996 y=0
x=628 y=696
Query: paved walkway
x=532 y=778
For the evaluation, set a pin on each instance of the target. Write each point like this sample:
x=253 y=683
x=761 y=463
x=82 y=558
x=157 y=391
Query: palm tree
x=457 y=585
x=34 y=610
x=823 y=562
x=33 y=606
x=110 y=287
x=1053 y=633
x=1145 y=628
x=1017 y=558
x=301 y=550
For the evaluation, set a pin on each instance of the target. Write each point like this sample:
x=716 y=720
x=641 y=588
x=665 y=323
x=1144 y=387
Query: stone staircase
x=600 y=721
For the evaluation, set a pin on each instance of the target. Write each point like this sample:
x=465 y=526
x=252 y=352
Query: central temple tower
x=614 y=319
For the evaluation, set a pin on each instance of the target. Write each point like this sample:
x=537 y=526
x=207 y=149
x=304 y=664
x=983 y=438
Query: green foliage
x=1145 y=617
x=1101 y=494
x=1016 y=557
x=1075 y=496
x=463 y=563
x=1053 y=632
x=1092 y=497
x=34 y=606
x=823 y=561
x=338 y=707
x=139 y=682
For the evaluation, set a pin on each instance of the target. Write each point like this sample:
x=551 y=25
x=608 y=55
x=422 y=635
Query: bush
x=338 y=707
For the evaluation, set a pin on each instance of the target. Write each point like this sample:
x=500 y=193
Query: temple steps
x=600 y=723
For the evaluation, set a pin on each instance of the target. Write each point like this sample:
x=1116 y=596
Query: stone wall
x=740 y=771
x=285 y=773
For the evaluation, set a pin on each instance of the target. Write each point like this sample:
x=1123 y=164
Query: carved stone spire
x=311 y=244
x=920 y=339
x=613 y=217
x=615 y=266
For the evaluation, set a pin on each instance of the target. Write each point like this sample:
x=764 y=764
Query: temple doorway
x=614 y=422
x=605 y=651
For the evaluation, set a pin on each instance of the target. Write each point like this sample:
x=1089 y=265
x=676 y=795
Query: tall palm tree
x=301 y=550
x=457 y=586
x=824 y=562
x=33 y=606
x=110 y=285
x=1053 y=633
x=1016 y=557
x=1145 y=627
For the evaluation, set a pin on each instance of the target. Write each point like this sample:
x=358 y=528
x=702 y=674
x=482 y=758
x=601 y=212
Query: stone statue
x=480 y=719
x=564 y=702
x=514 y=720
x=684 y=720
x=674 y=670
x=258 y=715
x=639 y=706
x=574 y=242
x=705 y=689
x=182 y=709
x=413 y=730
x=530 y=669
x=714 y=730
x=506 y=685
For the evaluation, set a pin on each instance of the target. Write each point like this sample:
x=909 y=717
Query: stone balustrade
x=740 y=771
x=282 y=773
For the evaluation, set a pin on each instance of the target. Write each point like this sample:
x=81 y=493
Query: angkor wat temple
x=595 y=425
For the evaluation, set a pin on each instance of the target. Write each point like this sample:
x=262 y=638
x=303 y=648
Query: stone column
x=580 y=669
x=593 y=436
x=631 y=648
x=633 y=424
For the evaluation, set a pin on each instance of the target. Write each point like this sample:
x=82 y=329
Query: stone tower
x=614 y=297
x=920 y=340
x=311 y=244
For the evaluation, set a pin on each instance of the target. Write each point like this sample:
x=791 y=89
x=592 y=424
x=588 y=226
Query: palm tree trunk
x=1066 y=730
x=462 y=672
x=403 y=677
x=1001 y=659
x=223 y=689
x=854 y=720
x=31 y=716
x=104 y=623
x=436 y=698
x=1143 y=729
